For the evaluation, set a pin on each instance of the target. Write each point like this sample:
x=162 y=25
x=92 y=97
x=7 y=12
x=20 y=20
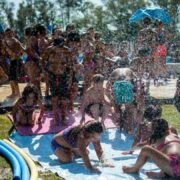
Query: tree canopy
x=111 y=19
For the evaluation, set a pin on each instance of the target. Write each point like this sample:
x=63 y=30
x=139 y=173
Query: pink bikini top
x=159 y=147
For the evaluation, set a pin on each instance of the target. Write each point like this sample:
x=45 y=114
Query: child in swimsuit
x=144 y=130
x=74 y=141
x=23 y=110
x=97 y=100
x=165 y=152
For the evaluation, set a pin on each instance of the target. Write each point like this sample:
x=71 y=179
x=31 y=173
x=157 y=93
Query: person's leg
x=130 y=116
x=3 y=76
x=147 y=152
x=104 y=111
x=12 y=90
x=155 y=175
x=64 y=156
x=55 y=109
x=47 y=84
x=16 y=88
x=73 y=94
x=64 y=107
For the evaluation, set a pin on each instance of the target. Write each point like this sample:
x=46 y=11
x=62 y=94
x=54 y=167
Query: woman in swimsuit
x=73 y=141
x=23 y=110
x=165 y=153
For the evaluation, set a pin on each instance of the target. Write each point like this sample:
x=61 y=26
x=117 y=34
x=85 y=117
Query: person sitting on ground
x=24 y=110
x=144 y=130
x=73 y=142
x=165 y=153
x=97 y=100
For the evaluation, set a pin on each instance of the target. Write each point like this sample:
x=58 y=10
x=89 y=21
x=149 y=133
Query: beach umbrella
x=154 y=13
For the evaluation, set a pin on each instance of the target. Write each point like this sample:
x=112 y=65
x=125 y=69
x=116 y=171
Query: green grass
x=5 y=125
x=169 y=113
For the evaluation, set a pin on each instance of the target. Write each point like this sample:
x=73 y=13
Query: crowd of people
x=66 y=57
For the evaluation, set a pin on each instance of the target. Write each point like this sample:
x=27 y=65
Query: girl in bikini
x=144 y=130
x=165 y=152
x=24 y=110
x=73 y=142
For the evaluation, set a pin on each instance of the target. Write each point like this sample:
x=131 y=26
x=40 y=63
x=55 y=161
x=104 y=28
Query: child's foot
x=154 y=175
x=128 y=169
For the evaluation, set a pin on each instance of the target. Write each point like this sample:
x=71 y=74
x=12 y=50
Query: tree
x=119 y=12
x=68 y=7
x=26 y=16
x=7 y=9
x=45 y=12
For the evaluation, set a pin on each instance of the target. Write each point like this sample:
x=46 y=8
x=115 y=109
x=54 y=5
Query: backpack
x=123 y=92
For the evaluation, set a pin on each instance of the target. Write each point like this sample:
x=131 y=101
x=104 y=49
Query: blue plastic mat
x=113 y=143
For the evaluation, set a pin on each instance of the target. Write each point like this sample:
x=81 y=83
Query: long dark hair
x=160 y=128
x=89 y=127
x=28 y=90
x=152 y=112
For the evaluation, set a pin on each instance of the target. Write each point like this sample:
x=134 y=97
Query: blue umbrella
x=155 y=13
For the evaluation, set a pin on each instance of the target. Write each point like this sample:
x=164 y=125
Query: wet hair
x=59 y=42
x=97 y=36
x=73 y=36
x=98 y=78
x=8 y=30
x=152 y=112
x=29 y=90
x=70 y=27
x=89 y=127
x=147 y=20
x=30 y=31
x=157 y=23
x=160 y=128
x=41 y=29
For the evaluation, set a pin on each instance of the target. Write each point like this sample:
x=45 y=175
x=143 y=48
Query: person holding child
x=97 y=100
x=164 y=151
x=24 y=110
x=73 y=142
